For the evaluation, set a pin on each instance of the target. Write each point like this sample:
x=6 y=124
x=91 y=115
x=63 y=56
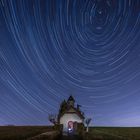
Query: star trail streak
x=50 y=49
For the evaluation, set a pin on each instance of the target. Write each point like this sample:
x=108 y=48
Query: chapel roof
x=73 y=110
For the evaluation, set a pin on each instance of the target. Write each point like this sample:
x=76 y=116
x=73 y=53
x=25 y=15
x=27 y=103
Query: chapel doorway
x=70 y=126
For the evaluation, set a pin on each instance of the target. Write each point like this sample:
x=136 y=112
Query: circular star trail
x=50 y=49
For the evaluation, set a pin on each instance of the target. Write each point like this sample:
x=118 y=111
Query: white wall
x=69 y=117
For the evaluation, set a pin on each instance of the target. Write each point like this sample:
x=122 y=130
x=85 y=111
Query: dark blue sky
x=54 y=48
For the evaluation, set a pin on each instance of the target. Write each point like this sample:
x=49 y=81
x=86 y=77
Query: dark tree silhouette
x=53 y=118
x=87 y=121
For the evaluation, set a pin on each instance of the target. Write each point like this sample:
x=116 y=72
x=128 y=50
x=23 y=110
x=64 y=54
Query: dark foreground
x=96 y=133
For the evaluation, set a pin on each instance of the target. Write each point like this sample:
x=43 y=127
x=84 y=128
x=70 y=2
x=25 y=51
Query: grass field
x=114 y=133
x=95 y=133
x=21 y=132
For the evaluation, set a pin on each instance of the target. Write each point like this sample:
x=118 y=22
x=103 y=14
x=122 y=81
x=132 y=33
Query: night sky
x=51 y=49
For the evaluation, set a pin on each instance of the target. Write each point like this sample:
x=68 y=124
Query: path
x=72 y=137
x=54 y=135
x=46 y=135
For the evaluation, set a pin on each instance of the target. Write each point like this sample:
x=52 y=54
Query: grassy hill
x=95 y=133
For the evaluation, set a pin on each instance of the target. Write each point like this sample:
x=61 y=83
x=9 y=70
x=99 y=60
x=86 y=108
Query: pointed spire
x=71 y=98
x=71 y=101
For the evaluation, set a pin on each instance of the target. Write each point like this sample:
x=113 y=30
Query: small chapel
x=70 y=116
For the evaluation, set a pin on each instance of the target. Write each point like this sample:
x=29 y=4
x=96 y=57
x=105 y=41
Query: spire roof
x=71 y=98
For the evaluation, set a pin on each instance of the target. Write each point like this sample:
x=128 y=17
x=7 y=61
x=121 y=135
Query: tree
x=87 y=121
x=53 y=118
